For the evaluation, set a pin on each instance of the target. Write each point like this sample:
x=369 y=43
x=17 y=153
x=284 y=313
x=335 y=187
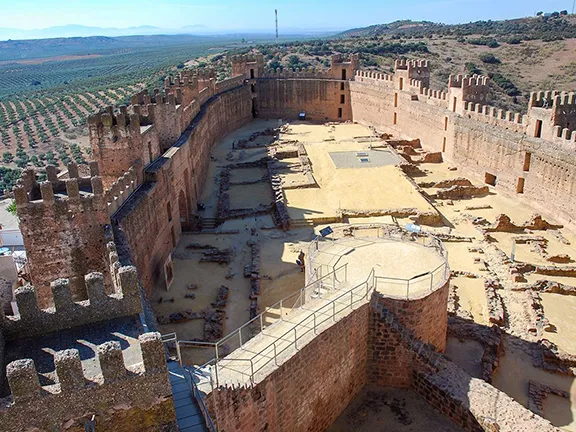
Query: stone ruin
x=97 y=245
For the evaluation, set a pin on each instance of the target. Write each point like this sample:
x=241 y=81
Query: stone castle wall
x=389 y=359
x=145 y=403
x=63 y=225
x=151 y=219
x=379 y=343
x=152 y=162
x=478 y=138
x=321 y=100
x=32 y=321
x=376 y=102
x=550 y=180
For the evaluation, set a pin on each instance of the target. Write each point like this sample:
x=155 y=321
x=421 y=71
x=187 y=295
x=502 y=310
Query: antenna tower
x=276 y=14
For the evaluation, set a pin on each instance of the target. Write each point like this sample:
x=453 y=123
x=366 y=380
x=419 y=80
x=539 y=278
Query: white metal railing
x=414 y=287
x=197 y=394
x=309 y=322
x=320 y=244
x=393 y=287
x=315 y=314
x=272 y=314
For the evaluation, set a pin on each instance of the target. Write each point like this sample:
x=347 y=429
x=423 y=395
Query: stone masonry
x=95 y=244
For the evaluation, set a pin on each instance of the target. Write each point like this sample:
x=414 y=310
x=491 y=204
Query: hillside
x=50 y=86
x=544 y=27
x=520 y=55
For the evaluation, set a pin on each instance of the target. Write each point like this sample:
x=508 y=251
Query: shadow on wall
x=470 y=402
x=525 y=367
x=85 y=339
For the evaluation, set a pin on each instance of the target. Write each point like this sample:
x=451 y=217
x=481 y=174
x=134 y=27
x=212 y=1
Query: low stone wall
x=472 y=403
x=146 y=403
x=489 y=337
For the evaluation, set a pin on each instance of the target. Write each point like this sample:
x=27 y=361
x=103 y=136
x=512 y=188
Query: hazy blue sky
x=259 y=14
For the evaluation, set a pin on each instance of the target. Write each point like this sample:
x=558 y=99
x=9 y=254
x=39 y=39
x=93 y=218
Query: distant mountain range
x=73 y=30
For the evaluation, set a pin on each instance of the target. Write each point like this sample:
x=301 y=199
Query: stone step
x=208 y=223
x=301 y=223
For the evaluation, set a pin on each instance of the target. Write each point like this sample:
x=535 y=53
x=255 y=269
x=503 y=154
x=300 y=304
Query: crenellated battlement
x=120 y=190
x=73 y=195
x=556 y=110
x=25 y=385
x=76 y=396
x=565 y=100
x=120 y=122
x=463 y=81
x=493 y=112
x=247 y=58
x=416 y=84
x=63 y=224
x=413 y=73
x=184 y=78
x=339 y=59
x=497 y=117
x=565 y=138
x=542 y=99
x=374 y=77
x=403 y=64
x=158 y=97
x=467 y=88
x=434 y=94
x=32 y=320
x=249 y=66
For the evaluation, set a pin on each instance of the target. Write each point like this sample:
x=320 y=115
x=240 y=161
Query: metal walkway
x=188 y=414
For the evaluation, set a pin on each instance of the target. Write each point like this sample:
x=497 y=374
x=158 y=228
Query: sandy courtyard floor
x=368 y=188
x=472 y=259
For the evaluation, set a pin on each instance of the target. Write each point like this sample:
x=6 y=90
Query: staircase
x=188 y=414
x=208 y=224
x=301 y=223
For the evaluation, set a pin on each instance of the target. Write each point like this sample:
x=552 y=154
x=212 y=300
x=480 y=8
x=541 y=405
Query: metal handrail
x=419 y=278
x=315 y=246
x=324 y=313
x=260 y=317
x=198 y=396
x=321 y=315
x=272 y=346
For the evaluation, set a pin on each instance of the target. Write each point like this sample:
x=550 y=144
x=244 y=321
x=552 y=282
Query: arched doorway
x=184 y=214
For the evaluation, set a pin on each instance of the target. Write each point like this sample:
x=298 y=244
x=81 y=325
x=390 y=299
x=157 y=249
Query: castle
x=99 y=246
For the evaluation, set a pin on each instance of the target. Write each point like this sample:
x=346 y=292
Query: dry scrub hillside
x=520 y=56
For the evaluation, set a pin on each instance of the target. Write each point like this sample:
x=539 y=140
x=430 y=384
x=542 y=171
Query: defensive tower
x=64 y=224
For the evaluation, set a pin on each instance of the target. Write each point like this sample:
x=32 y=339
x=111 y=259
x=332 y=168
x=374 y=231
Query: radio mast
x=276 y=14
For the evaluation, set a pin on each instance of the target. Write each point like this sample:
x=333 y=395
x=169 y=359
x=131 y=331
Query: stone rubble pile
x=281 y=216
x=537 y=392
x=495 y=306
x=460 y=192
